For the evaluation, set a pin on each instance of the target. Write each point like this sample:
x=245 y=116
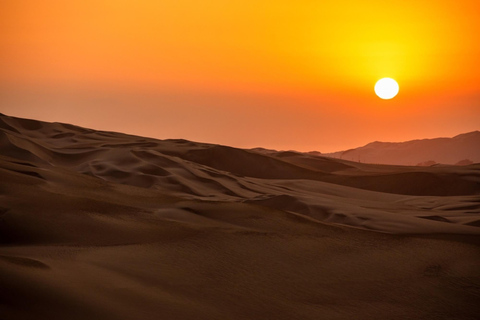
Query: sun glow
x=201 y=72
x=386 y=88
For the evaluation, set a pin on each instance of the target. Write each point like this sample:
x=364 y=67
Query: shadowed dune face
x=104 y=225
x=337 y=191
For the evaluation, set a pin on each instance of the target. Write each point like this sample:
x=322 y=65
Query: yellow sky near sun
x=327 y=50
x=324 y=44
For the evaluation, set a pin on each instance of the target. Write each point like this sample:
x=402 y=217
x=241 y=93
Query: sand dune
x=104 y=225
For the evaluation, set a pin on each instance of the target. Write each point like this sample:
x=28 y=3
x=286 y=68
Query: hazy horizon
x=276 y=75
x=114 y=225
x=247 y=147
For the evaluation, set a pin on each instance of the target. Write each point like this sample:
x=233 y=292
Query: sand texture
x=104 y=225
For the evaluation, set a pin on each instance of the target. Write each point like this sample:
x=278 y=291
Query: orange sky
x=279 y=74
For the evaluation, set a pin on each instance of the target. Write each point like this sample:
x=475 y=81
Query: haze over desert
x=239 y=160
x=104 y=225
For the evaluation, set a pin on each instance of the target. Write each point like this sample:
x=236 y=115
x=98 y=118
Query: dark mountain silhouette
x=460 y=150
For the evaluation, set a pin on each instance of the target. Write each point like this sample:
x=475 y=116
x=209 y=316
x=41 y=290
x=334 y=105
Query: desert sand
x=104 y=225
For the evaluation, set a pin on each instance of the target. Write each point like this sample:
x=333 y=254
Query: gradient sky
x=277 y=74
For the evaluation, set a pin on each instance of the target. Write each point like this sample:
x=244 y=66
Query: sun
x=386 y=88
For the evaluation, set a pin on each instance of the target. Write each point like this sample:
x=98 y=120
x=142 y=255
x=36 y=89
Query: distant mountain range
x=463 y=149
x=106 y=225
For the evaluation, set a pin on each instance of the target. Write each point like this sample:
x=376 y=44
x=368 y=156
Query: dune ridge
x=106 y=225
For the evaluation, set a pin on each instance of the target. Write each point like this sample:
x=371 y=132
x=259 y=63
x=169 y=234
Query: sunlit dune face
x=386 y=88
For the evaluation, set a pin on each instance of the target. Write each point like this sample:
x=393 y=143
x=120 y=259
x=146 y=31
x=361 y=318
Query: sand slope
x=103 y=225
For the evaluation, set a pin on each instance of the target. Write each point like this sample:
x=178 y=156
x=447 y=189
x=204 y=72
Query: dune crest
x=105 y=225
x=202 y=172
